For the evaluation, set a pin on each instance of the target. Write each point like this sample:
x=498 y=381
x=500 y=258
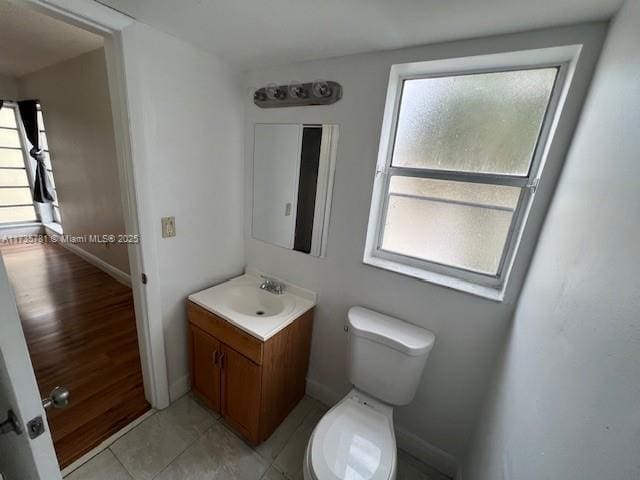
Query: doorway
x=79 y=313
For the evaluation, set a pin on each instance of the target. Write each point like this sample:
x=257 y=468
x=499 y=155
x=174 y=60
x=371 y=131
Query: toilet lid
x=353 y=442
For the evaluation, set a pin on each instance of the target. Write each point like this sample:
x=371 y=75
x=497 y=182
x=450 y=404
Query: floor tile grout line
x=286 y=441
x=311 y=411
x=200 y=435
x=120 y=461
x=110 y=447
x=269 y=462
x=186 y=448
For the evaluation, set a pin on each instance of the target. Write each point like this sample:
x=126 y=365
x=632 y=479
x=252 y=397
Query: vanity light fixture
x=298 y=94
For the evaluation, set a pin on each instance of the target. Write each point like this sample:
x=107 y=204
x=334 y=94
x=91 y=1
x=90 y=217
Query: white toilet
x=355 y=440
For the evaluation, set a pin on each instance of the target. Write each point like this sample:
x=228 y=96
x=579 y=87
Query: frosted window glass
x=15 y=196
x=17 y=214
x=487 y=123
x=7 y=118
x=9 y=138
x=11 y=158
x=464 y=225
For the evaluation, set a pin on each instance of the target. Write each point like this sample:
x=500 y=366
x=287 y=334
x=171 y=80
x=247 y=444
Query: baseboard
x=114 y=272
x=322 y=393
x=407 y=441
x=426 y=452
x=180 y=387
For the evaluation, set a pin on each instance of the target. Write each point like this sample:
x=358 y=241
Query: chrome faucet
x=273 y=286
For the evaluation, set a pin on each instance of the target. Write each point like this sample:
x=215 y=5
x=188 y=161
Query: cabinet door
x=205 y=351
x=241 y=388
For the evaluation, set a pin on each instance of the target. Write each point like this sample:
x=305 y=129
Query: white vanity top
x=262 y=314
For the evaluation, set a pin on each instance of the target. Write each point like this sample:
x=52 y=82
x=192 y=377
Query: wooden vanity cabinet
x=205 y=374
x=252 y=384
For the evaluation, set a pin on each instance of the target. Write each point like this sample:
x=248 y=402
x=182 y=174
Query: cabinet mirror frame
x=287 y=157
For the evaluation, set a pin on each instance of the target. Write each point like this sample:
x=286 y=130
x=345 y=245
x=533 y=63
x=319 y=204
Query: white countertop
x=239 y=299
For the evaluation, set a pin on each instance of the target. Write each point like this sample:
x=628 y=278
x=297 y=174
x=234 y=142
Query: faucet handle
x=272 y=285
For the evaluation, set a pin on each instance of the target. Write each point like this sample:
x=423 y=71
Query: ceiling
x=30 y=40
x=253 y=33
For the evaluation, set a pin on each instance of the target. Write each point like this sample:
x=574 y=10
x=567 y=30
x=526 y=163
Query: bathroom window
x=462 y=151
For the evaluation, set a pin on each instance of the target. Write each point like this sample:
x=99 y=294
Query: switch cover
x=168 y=227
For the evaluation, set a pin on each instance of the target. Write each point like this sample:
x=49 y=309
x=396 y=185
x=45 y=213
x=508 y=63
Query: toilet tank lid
x=395 y=333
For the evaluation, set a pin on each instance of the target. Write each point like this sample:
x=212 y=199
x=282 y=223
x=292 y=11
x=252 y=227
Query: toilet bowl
x=355 y=440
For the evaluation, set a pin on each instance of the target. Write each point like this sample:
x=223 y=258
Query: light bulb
x=274 y=92
x=321 y=89
x=296 y=90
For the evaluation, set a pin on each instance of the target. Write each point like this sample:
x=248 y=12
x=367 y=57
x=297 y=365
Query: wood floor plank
x=80 y=328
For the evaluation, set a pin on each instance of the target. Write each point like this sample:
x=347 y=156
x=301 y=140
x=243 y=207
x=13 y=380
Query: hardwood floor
x=80 y=328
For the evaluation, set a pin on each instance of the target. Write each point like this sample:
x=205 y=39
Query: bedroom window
x=16 y=202
x=17 y=171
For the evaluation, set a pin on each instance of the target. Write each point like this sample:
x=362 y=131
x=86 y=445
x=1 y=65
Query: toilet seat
x=353 y=441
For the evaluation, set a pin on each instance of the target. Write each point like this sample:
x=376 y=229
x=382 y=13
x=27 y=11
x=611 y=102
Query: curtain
x=42 y=190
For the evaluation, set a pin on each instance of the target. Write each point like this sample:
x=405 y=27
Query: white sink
x=258 y=312
x=248 y=300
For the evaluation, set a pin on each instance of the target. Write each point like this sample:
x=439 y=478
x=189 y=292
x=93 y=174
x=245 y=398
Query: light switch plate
x=168 y=227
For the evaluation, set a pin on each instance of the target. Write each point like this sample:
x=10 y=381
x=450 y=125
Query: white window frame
x=48 y=211
x=564 y=58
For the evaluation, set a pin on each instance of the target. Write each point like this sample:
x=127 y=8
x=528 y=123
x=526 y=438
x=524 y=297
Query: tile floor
x=189 y=442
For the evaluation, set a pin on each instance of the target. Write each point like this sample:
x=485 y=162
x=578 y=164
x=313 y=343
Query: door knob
x=59 y=398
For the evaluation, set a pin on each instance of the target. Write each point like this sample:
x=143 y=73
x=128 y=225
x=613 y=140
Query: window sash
x=485 y=178
x=490 y=286
x=526 y=194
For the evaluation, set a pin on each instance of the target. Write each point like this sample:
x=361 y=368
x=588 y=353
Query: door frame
x=110 y=24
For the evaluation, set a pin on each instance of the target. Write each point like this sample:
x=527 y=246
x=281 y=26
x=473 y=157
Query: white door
x=21 y=457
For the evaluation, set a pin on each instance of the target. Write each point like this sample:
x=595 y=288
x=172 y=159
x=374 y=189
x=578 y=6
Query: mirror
x=293 y=168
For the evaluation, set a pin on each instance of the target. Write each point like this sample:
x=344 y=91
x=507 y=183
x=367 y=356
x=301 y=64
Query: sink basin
x=258 y=312
x=247 y=300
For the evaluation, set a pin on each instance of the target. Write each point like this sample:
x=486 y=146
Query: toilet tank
x=386 y=355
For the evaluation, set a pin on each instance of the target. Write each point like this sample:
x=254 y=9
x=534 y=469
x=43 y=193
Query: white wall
x=566 y=403
x=186 y=121
x=8 y=88
x=469 y=330
x=74 y=95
